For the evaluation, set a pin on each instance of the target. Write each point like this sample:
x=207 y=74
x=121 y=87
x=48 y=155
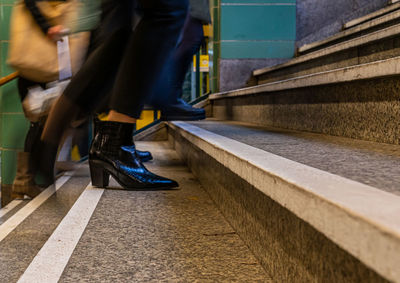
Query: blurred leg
x=171 y=105
x=149 y=48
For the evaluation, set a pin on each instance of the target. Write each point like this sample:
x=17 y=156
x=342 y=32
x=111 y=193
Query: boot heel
x=100 y=177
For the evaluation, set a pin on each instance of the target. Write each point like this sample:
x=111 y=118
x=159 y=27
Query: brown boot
x=24 y=179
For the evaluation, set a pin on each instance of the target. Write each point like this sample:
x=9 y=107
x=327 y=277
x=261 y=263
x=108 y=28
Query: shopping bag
x=38 y=101
x=31 y=52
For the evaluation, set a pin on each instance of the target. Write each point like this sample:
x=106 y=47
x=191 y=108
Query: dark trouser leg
x=176 y=68
x=148 y=50
x=23 y=183
x=112 y=152
x=192 y=38
x=172 y=106
x=33 y=136
x=90 y=86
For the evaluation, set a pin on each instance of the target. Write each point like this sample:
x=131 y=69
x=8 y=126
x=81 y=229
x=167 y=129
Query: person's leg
x=149 y=48
x=23 y=183
x=192 y=38
x=171 y=105
x=94 y=81
x=88 y=87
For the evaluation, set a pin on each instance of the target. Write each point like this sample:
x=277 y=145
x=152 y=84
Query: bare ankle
x=115 y=116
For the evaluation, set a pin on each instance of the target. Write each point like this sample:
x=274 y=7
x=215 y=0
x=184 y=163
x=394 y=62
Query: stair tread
x=388 y=9
x=377 y=69
x=166 y=235
x=359 y=218
x=9 y=210
x=26 y=239
x=371 y=163
x=362 y=27
x=362 y=40
x=156 y=235
x=332 y=204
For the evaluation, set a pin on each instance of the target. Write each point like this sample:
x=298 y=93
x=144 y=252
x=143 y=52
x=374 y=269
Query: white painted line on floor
x=8 y=226
x=50 y=262
x=9 y=207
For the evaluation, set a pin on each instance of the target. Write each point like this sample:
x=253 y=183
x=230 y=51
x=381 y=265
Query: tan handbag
x=31 y=52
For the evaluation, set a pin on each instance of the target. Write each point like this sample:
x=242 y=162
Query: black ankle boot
x=113 y=153
x=144 y=156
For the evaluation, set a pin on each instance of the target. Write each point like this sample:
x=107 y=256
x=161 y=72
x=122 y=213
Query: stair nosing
x=362 y=40
x=375 y=22
x=347 y=74
x=372 y=211
x=376 y=14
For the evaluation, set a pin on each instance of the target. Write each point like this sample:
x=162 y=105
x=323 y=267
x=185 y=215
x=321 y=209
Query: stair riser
x=376 y=51
x=351 y=36
x=366 y=110
x=287 y=246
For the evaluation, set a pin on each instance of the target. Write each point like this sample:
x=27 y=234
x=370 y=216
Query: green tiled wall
x=257 y=28
x=254 y=22
x=256 y=49
x=13 y=125
x=251 y=29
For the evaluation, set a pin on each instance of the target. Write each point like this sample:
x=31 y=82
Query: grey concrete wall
x=234 y=73
x=318 y=19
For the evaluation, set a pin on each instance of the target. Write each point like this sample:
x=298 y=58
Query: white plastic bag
x=38 y=101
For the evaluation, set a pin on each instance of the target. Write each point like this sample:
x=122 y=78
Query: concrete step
x=361 y=102
x=86 y=234
x=303 y=223
x=393 y=5
x=348 y=33
x=379 y=45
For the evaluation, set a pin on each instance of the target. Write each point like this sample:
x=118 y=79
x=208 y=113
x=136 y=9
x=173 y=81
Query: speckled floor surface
x=19 y=248
x=370 y=163
x=13 y=211
x=161 y=236
x=139 y=236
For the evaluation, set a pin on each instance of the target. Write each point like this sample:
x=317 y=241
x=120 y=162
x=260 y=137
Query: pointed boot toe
x=113 y=153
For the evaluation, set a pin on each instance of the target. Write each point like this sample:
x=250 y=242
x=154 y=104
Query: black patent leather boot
x=113 y=153
x=143 y=155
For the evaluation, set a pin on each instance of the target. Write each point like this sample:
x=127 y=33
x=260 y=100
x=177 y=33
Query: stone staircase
x=305 y=162
x=378 y=20
x=293 y=179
